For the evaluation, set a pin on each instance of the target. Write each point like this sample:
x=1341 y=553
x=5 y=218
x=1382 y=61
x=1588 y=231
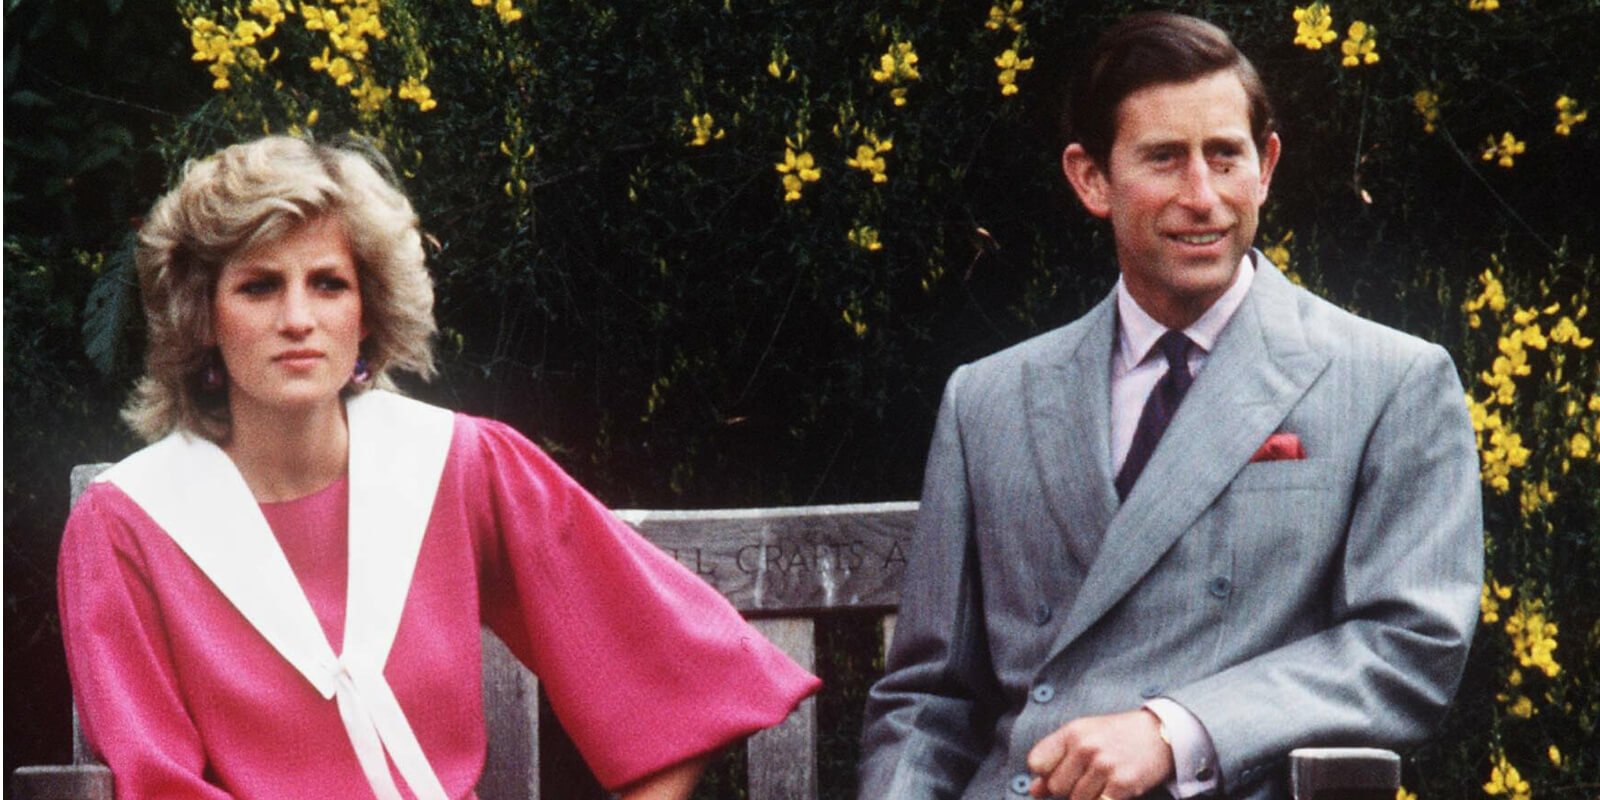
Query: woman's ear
x=1088 y=179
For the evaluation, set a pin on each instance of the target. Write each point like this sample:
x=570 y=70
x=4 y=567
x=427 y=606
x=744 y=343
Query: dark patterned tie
x=1158 y=410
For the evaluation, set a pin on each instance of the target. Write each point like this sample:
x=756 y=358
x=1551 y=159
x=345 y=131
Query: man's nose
x=1197 y=192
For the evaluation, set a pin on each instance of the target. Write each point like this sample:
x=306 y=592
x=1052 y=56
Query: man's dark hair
x=1149 y=49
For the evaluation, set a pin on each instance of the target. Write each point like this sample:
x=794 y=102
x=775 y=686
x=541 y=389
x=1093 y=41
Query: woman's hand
x=672 y=783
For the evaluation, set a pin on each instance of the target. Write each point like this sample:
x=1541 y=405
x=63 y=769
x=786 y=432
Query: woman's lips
x=299 y=359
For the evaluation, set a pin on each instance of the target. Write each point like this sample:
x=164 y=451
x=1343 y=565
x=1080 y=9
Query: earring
x=362 y=373
x=213 y=377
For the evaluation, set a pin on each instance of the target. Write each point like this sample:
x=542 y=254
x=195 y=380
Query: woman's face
x=287 y=318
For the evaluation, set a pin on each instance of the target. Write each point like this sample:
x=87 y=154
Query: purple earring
x=362 y=373
x=212 y=376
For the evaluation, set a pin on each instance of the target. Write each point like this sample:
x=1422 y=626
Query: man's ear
x=1088 y=179
x=1269 y=162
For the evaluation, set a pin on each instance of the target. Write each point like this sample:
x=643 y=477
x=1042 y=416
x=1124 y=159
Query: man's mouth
x=1198 y=238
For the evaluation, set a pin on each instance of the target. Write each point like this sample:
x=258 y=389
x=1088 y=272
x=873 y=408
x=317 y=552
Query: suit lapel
x=1069 y=424
x=1260 y=369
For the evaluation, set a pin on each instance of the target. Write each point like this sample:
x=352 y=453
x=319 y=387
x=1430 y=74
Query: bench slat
x=79 y=782
x=511 y=712
x=783 y=759
x=788 y=561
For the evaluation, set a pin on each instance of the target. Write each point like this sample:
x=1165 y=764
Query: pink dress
x=644 y=663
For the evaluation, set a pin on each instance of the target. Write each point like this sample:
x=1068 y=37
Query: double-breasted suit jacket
x=1315 y=602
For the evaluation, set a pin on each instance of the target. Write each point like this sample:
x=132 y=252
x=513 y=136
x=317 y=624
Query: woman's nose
x=294 y=316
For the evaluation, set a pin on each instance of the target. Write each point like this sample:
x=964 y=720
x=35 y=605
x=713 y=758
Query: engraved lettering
x=897 y=555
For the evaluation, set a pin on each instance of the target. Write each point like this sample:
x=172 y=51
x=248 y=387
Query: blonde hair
x=254 y=193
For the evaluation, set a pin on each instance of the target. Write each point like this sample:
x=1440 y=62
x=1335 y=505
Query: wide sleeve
x=927 y=719
x=1403 y=603
x=644 y=663
x=123 y=674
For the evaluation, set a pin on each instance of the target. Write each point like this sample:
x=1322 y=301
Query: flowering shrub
x=727 y=253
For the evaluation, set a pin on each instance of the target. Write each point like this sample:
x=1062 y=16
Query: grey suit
x=1323 y=601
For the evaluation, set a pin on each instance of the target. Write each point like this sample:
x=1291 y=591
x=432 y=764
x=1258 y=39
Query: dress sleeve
x=645 y=664
x=123 y=674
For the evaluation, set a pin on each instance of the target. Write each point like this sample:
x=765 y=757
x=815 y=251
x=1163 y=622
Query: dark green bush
x=621 y=275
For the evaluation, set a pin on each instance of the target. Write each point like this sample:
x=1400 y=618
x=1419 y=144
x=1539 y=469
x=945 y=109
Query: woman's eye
x=256 y=287
x=331 y=284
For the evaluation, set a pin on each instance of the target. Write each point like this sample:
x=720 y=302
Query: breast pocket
x=1285 y=475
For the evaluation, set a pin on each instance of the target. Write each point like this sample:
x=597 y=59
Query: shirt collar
x=1137 y=331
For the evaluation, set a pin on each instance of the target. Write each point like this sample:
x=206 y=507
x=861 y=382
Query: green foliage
x=653 y=225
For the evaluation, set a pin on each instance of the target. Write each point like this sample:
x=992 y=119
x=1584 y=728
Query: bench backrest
x=783 y=568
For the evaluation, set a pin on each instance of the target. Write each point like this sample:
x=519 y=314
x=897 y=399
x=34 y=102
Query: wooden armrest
x=76 y=782
x=1344 y=773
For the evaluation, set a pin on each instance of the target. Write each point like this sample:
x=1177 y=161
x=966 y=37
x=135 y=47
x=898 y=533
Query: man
x=1149 y=562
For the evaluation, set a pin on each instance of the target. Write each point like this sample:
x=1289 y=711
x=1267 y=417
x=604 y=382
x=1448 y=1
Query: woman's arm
x=672 y=783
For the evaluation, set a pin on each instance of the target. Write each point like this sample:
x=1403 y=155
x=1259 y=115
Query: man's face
x=1183 y=189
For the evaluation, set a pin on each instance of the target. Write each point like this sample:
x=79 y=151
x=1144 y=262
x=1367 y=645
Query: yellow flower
x=1568 y=114
x=896 y=67
x=1427 y=105
x=853 y=320
x=1521 y=707
x=865 y=237
x=370 y=96
x=1315 y=26
x=1483 y=5
x=1579 y=445
x=1361 y=47
x=338 y=68
x=1010 y=65
x=869 y=158
x=779 y=67
x=1488 y=606
x=1536 y=496
x=1402 y=794
x=1533 y=637
x=791 y=188
x=1555 y=755
x=508 y=11
x=704 y=130
x=1278 y=253
x=1506 y=151
x=797 y=168
x=1504 y=779
x=414 y=90
x=1005 y=17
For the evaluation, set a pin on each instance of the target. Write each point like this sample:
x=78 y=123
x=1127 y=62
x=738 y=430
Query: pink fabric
x=1280 y=447
x=645 y=664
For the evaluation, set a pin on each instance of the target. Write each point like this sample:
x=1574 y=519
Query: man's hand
x=1118 y=757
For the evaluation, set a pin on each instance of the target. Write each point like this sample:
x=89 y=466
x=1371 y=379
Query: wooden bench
x=784 y=569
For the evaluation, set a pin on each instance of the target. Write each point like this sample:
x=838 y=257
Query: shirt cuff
x=1194 y=757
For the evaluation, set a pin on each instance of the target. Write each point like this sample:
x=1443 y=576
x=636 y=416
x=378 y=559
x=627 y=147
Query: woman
x=281 y=596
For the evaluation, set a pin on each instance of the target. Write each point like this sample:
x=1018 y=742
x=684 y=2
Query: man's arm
x=1403 y=605
x=929 y=718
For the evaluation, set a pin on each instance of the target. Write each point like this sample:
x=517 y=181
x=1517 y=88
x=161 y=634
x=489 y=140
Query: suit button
x=1020 y=783
x=1149 y=692
x=1220 y=587
x=1203 y=774
x=1043 y=693
x=1041 y=615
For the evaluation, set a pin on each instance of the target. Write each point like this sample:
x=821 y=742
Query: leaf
x=27 y=98
x=106 y=311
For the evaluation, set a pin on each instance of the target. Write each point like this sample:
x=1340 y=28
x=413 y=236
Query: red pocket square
x=1280 y=447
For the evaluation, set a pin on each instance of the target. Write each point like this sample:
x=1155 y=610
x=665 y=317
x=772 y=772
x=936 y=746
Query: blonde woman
x=281 y=595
